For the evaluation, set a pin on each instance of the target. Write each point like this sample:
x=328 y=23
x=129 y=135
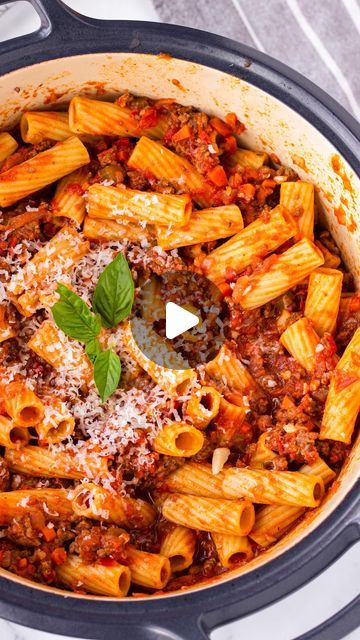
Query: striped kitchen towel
x=321 y=39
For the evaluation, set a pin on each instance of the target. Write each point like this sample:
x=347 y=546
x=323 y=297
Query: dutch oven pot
x=284 y=113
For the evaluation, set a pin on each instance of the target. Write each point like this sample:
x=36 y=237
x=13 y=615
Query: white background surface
x=336 y=586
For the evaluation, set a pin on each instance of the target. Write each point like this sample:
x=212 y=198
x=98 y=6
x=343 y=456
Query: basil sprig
x=112 y=301
x=114 y=293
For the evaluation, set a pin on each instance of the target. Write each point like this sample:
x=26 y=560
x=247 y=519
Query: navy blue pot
x=191 y=616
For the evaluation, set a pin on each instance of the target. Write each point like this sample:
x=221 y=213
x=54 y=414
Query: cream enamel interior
x=270 y=126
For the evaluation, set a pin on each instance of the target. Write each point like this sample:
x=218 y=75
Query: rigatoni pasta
x=152 y=157
x=298 y=198
x=257 y=239
x=36 y=126
x=301 y=340
x=212 y=224
x=122 y=204
x=97 y=117
x=323 y=299
x=343 y=401
x=96 y=578
x=273 y=487
x=44 y=462
x=69 y=201
x=179 y=546
x=280 y=273
x=210 y=514
x=8 y=145
x=41 y=170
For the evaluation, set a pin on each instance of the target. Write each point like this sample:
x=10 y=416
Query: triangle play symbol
x=178 y=320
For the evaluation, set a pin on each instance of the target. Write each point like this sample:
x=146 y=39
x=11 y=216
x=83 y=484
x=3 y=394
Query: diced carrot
x=230 y=144
x=182 y=134
x=49 y=534
x=225 y=289
x=246 y=191
x=59 y=556
x=221 y=127
x=268 y=184
x=22 y=563
x=231 y=119
x=218 y=176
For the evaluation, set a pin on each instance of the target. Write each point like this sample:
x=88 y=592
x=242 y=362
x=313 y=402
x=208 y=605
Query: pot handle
x=57 y=22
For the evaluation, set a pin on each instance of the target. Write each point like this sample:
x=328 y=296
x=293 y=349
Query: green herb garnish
x=112 y=302
x=114 y=293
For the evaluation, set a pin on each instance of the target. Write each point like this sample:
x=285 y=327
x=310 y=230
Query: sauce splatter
x=340 y=171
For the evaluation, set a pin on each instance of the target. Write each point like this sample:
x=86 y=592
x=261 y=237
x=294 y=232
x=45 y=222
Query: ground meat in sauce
x=287 y=404
x=4 y=475
x=93 y=543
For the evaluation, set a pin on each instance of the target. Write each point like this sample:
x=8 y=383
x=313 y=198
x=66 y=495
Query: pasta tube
x=44 y=270
x=301 y=340
x=168 y=378
x=43 y=169
x=53 y=502
x=323 y=299
x=58 y=423
x=178 y=439
x=179 y=546
x=202 y=407
x=262 y=455
x=260 y=237
x=97 y=229
x=64 y=354
x=210 y=514
x=39 y=461
x=203 y=226
x=150 y=570
x=8 y=145
x=273 y=520
x=92 y=501
x=195 y=479
x=12 y=436
x=100 y=118
x=7 y=331
x=150 y=157
x=36 y=126
x=21 y=404
x=231 y=375
x=69 y=201
x=232 y=549
x=247 y=158
x=343 y=400
x=122 y=205
x=102 y=580
x=273 y=487
x=298 y=198
x=228 y=422
x=280 y=273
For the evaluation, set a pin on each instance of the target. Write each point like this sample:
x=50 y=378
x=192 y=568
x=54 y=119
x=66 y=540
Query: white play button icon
x=178 y=320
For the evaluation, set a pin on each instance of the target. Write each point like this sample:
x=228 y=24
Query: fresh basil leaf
x=93 y=349
x=114 y=292
x=73 y=316
x=107 y=371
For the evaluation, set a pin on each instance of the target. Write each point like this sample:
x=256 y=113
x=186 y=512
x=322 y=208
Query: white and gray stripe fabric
x=319 y=38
